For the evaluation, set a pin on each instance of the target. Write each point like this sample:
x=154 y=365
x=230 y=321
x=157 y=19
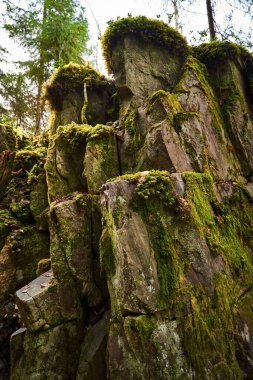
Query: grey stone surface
x=50 y=354
x=140 y=69
x=45 y=303
x=134 y=288
x=92 y=363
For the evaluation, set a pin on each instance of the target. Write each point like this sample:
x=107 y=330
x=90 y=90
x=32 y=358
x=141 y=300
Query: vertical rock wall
x=24 y=236
x=150 y=216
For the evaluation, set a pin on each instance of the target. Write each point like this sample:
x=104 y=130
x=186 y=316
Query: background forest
x=53 y=33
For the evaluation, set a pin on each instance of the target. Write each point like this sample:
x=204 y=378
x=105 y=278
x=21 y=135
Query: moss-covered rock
x=27 y=158
x=44 y=303
x=232 y=80
x=7 y=155
x=64 y=165
x=144 y=347
x=101 y=157
x=78 y=93
x=196 y=95
x=29 y=247
x=217 y=51
x=8 y=272
x=200 y=250
x=67 y=78
x=38 y=198
x=148 y=30
x=22 y=247
x=144 y=55
x=43 y=266
x=7 y=223
x=7 y=138
x=174 y=246
x=71 y=242
x=162 y=148
x=48 y=361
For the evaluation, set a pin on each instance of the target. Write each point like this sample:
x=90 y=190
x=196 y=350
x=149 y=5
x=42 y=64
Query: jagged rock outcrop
x=24 y=237
x=173 y=268
x=149 y=208
x=80 y=94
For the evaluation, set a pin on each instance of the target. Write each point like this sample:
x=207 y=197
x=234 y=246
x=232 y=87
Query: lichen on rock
x=148 y=212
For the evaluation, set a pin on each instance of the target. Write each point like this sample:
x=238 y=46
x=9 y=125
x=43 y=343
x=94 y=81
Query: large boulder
x=44 y=303
x=78 y=93
x=37 y=356
x=101 y=158
x=144 y=56
x=230 y=67
x=170 y=250
x=64 y=165
x=151 y=271
x=71 y=250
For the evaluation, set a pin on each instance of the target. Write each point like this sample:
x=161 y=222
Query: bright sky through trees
x=193 y=18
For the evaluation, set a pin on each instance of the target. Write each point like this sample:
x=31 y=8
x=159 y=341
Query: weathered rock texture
x=24 y=236
x=149 y=209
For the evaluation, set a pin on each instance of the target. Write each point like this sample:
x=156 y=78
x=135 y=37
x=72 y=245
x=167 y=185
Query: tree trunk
x=210 y=16
x=176 y=14
x=39 y=108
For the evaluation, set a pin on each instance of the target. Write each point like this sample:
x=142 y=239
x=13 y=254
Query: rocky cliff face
x=146 y=194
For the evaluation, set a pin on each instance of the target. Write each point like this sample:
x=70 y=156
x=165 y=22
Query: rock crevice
x=145 y=192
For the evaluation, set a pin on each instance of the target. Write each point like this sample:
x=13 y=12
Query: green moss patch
x=227 y=226
x=7 y=223
x=157 y=184
x=163 y=105
x=43 y=266
x=154 y=193
x=145 y=326
x=27 y=158
x=148 y=30
x=130 y=122
x=209 y=332
x=21 y=210
x=7 y=138
x=216 y=51
x=73 y=133
x=101 y=161
x=70 y=141
x=107 y=251
x=100 y=131
x=68 y=78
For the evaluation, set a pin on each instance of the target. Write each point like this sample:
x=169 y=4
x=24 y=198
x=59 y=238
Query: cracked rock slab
x=45 y=303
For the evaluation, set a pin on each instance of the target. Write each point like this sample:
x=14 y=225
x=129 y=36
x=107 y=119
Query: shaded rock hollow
x=146 y=193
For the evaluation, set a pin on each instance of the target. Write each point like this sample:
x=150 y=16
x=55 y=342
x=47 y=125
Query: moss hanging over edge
x=216 y=51
x=67 y=78
x=148 y=30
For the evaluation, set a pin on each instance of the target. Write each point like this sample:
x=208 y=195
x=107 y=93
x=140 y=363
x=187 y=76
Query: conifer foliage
x=52 y=32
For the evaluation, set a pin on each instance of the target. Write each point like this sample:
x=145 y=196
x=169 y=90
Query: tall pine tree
x=18 y=103
x=52 y=32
